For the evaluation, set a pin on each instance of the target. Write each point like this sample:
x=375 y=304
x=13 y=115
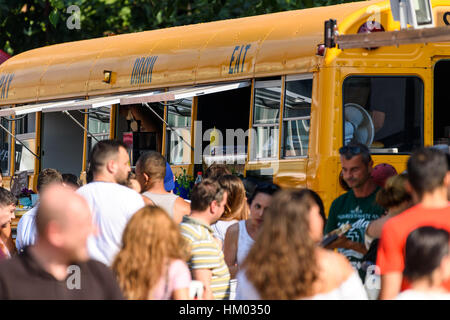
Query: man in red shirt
x=429 y=179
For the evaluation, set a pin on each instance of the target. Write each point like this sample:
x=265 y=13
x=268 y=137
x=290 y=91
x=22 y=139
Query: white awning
x=66 y=105
x=124 y=99
x=92 y=103
x=30 y=108
x=184 y=93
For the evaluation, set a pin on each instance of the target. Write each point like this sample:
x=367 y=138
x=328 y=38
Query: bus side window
x=179 y=135
x=266 y=117
x=99 y=127
x=5 y=141
x=296 y=118
x=26 y=132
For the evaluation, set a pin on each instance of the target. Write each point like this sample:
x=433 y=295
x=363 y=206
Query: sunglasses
x=354 y=150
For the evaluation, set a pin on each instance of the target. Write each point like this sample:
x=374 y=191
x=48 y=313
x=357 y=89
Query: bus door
x=62 y=142
x=64 y=127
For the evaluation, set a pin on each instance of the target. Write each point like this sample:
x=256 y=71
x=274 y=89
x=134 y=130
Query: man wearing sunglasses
x=357 y=206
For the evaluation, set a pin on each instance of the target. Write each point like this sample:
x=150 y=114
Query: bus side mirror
x=329 y=33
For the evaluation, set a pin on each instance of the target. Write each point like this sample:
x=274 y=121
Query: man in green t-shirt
x=356 y=207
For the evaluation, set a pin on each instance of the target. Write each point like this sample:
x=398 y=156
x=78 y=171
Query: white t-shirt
x=420 y=295
x=220 y=228
x=245 y=289
x=112 y=205
x=350 y=289
x=26 y=229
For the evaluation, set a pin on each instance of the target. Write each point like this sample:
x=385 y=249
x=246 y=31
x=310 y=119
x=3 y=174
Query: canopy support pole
x=20 y=141
x=80 y=125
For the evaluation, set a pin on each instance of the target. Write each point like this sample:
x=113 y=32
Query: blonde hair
x=282 y=262
x=150 y=240
x=394 y=192
x=236 y=206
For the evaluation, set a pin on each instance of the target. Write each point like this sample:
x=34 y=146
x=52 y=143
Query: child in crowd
x=427 y=264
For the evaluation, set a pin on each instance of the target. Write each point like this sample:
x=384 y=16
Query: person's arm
x=390 y=260
x=390 y=285
x=378 y=118
x=204 y=276
x=181 y=208
x=375 y=227
x=230 y=249
x=181 y=294
x=344 y=243
x=6 y=236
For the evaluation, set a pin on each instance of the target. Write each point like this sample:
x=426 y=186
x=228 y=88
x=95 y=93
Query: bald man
x=58 y=265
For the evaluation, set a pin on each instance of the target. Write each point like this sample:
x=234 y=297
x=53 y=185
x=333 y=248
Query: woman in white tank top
x=240 y=237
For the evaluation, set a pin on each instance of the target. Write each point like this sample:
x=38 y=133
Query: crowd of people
x=127 y=235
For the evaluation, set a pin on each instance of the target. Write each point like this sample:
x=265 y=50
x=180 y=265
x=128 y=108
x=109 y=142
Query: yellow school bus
x=265 y=80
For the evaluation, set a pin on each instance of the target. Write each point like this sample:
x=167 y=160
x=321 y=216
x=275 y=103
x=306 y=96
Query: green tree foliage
x=29 y=24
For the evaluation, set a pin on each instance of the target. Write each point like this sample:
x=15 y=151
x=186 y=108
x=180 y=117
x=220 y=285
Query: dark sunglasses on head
x=350 y=149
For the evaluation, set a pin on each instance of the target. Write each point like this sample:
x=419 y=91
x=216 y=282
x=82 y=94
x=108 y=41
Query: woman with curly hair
x=151 y=264
x=236 y=208
x=286 y=262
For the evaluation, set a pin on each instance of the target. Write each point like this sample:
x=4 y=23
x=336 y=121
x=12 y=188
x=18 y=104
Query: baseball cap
x=169 y=185
x=381 y=172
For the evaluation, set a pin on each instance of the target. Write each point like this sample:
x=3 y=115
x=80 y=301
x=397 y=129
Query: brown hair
x=236 y=206
x=150 y=240
x=102 y=152
x=282 y=264
x=427 y=168
x=153 y=164
x=217 y=170
x=7 y=198
x=204 y=193
x=47 y=177
x=394 y=192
